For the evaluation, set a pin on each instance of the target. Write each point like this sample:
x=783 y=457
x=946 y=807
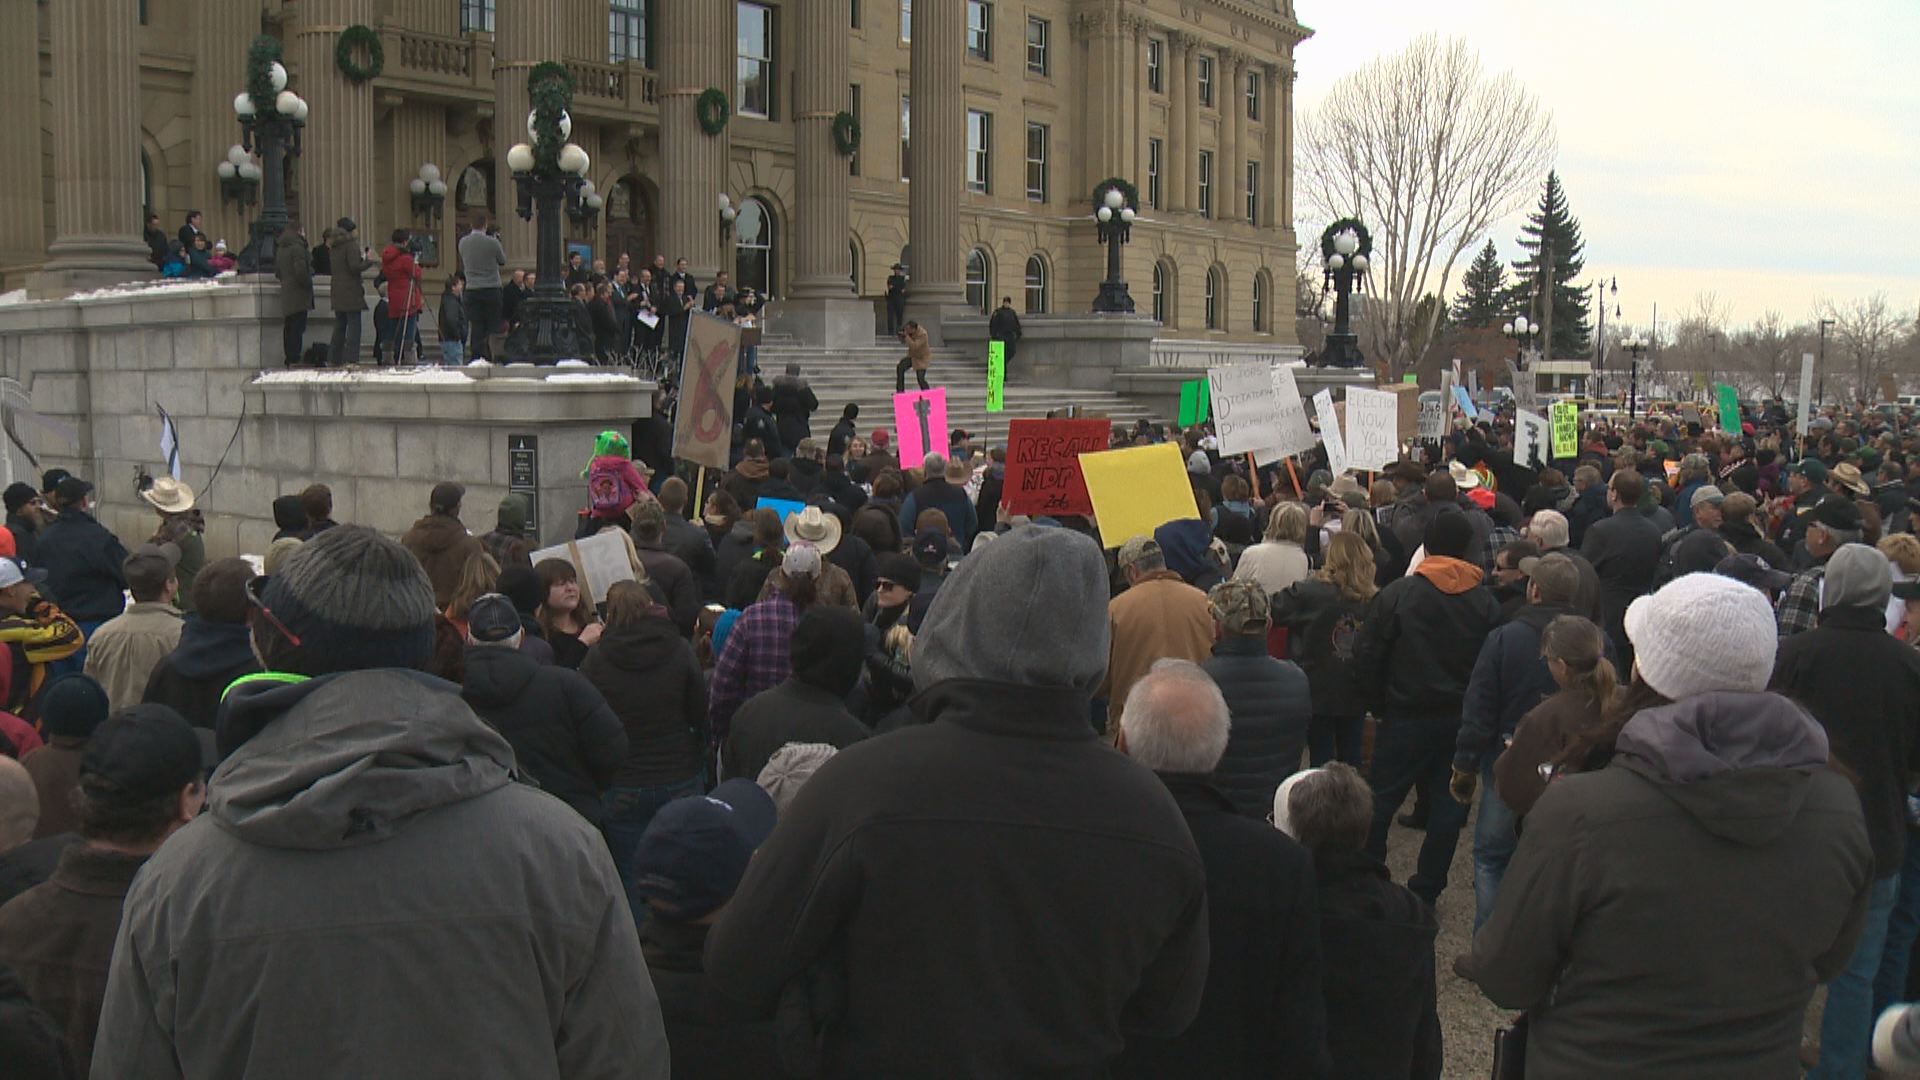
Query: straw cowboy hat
x=814 y=526
x=169 y=496
x=1464 y=479
x=1847 y=475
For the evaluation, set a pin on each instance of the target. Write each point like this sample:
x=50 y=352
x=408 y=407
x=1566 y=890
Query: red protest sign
x=1043 y=465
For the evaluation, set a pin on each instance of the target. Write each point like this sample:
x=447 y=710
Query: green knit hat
x=608 y=442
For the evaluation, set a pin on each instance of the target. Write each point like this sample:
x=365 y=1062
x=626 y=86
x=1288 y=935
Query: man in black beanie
x=1413 y=659
x=26 y=515
x=829 y=647
x=366 y=819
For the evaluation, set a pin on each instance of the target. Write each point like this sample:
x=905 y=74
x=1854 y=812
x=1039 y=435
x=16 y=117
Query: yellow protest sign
x=1566 y=429
x=1136 y=491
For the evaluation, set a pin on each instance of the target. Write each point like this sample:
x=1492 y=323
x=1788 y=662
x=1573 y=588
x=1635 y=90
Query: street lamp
x=1636 y=346
x=585 y=209
x=1346 y=249
x=271 y=118
x=1520 y=330
x=1113 y=222
x=547 y=174
x=728 y=215
x=239 y=178
x=429 y=192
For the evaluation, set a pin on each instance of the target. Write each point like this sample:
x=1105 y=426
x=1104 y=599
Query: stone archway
x=630 y=220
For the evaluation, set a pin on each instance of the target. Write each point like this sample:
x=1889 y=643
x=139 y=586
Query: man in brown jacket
x=919 y=356
x=139 y=781
x=441 y=542
x=1158 y=616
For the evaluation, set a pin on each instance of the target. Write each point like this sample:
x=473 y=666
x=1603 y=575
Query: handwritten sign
x=1330 y=432
x=1136 y=491
x=996 y=376
x=1806 y=395
x=703 y=433
x=920 y=423
x=1296 y=434
x=1526 y=389
x=602 y=561
x=1245 y=414
x=1043 y=466
x=1373 y=427
x=1566 y=429
x=1433 y=417
x=1729 y=399
x=1531 y=439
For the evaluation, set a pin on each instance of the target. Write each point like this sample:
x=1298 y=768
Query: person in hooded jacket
x=810 y=706
x=748 y=475
x=647 y=671
x=845 y=430
x=1004 y=813
x=215 y=646
x=1863 y=687
x=794 y=404
x=405 y=302
x=1625 y=551
x=943 y=490
x=1670 y=914
x=365 y=819
x=441 y=543
x=1323 y=616
x=564 y=735
x=1269 y=700
x=83 y=559
x=664 y=568
x=348 y=264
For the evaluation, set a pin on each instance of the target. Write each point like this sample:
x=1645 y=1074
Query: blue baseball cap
x=696 y=849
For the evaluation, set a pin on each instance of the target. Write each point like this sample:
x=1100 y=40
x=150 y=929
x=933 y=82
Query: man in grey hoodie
x=370 y=893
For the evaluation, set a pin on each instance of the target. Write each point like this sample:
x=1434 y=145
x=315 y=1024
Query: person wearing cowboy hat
x=1847 y=482
x=944 y=490
x=820 y=530
x=896 y=299
x=181 y=525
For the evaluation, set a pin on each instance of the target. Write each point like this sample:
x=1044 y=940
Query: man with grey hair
x=1072 y=902
x=1829 y=526
x=1549 y=529
x=1263 y=1012
x=1159 y=615
x=1694 y=474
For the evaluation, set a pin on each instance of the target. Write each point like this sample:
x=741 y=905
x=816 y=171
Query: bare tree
x=1429 y=152
x=1868 y=333
x=1768 y=353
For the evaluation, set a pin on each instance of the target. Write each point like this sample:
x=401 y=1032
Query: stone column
x=696 y=52
x=1190 y=98
x=938 y=158
x=1271 y=164
x=820 y=308
x=1283 y=159
x=1237 y=101
x=527 y=32
x=1178 y=161
x=219 y=72
x=22 y=235
x=336 y=153
x=96 y=148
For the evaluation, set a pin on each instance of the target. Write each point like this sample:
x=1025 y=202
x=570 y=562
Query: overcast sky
x=1763 y=150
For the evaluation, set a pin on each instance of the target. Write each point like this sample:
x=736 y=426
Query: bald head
x=1175 y=719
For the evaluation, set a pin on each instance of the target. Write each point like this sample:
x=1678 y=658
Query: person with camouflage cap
x=1270 y=700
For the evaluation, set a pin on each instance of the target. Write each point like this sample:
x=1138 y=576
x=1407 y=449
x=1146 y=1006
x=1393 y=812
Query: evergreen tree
x=1483 y=292
x=1551 y=222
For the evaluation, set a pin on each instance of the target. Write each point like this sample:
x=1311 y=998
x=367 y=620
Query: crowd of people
x=851 y=772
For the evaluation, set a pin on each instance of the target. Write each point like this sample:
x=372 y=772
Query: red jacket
x=402 y=275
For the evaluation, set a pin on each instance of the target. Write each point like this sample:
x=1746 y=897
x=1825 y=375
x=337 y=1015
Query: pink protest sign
x=920 y=423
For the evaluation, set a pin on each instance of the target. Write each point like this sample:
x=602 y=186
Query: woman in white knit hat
x=1671 y=914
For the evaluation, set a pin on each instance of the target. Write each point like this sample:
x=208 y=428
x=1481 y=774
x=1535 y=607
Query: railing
x=431 y=55
x=626 y=86
x=1200 y=355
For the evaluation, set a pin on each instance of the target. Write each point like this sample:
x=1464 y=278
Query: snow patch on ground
x=196 y=286
x=17 y=296
x=593 y=377
x=420 y=376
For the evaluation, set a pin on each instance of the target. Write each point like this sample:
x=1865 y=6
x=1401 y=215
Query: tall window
x=754 y=93
x=1156 y=53
x=906 y=136
x=1205 y=68
x=1036 y=285
x=1253 y=193
x=1253 y=95
x=979 y=151
x=853 y=9
x=1160 y=283
x=626 y=31
x=906 y=20
x=1206 y=183
x=853 y=109
x=754 y=247
x=1260 y=303
x=1037 y=162
x=476 y=15
x=1039 y=42
x=1215 y=286
x=1153 y=173
x=980 y=29
x=979 y=282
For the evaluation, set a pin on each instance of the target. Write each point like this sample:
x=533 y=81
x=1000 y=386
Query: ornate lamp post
x=239 y=178
x=548 y=174
x=1113 y=219
x=585 y=210
x=1636 y=346
x=1520 y=330
x=429 y=193
x=271 y=117
x=1345 y=248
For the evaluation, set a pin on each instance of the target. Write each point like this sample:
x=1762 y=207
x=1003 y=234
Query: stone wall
x=103 y=365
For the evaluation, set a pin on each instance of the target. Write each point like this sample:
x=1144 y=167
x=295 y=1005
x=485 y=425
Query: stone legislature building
x=983 y=127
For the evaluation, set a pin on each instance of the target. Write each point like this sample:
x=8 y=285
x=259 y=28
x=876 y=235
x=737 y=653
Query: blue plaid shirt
x=758 y=656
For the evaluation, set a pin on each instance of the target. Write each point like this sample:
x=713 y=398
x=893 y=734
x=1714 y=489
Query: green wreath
x=1338 y=227
x=846 y=134
x=1127 y=190
x=712 y=110
x=261 y=56
x=353 y=37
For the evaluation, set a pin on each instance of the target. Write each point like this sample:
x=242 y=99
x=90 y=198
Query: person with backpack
x=613 y=485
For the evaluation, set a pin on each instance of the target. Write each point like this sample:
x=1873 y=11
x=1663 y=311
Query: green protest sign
x=1729 y=408
x=996 y=375
x=1566 y=429
x=1194 y=400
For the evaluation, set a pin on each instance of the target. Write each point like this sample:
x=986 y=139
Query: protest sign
x=1043 y=465
x=1526 y=390
x=1433 y=417
x=1729 y=399
x=1246 y=415
x=1566 y=429
x=1531 y=436
x=996 y=376
x=1373 y=425
x=1296 y=435
x=1406 y=398
x=1465 y=401
x=1806 y=395
x=1410 y=379
x=1138 y=490
x=1330 y=432
x=1672 y=469
x=784 y=507
x=1193 y=403
x=1473 y=381
x=920 y=423
x=602 y=561
x=703 y=433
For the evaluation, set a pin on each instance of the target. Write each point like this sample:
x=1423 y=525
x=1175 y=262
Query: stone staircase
x=864 y=375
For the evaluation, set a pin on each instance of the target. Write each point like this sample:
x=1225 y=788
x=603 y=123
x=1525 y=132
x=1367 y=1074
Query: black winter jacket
x=794 y=403
x=209 y=657
x=565 y=738
x=1625 y=551
x=709 y=1040
x=1508 y=680
x=675 y=579
x=648 y=673
x=1263 y=1013
x=1322 y=628
x=856 y=557
x=1377 y=951
x=1589 y=507
x=1418 y=647
x=792 y=712
x=1747 y=541
x=82 y=560
x=1271 y=705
